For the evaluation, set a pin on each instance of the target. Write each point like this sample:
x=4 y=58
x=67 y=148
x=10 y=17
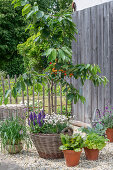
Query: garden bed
x=31 y=161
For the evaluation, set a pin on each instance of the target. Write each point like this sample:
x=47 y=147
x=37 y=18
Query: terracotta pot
x=91 y=154
x=72 y=158
x=109 y=133
x=14 y=149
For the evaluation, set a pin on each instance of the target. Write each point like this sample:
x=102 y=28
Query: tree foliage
x=12 y=32
x=52 y=35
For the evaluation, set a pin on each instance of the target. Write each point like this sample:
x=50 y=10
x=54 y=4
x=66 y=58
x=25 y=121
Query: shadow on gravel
x=10 y=166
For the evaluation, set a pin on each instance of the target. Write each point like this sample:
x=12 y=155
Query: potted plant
x=72 y=148
x=106 y=119
x=13 y=134
x=45 y=133
x=92 y=144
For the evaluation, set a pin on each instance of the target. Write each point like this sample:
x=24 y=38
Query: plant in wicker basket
x=13 y=135
x=45 y=133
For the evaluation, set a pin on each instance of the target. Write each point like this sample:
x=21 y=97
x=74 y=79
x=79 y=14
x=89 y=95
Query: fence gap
x=33 y=98
x=71 y=102
x=55 y=99
x=22 y=97
x=66 y=100
x=43 y=98
x=3 y=86
x=9 y=88
x=38 y=103
x=28 y=99
x=61 y=97
x=52 y=97
x=49 y=107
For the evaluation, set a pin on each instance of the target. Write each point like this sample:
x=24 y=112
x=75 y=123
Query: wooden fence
x=95 y=46
x=52 y=101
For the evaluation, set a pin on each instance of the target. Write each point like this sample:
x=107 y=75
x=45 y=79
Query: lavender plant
x=106 y=118
x=48 y=124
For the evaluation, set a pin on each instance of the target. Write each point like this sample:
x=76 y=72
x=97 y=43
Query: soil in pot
x=14 y=149
x=109 y=133
x=72 y=158
x=91 y=154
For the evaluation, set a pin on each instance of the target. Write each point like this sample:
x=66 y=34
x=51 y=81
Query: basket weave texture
x=47 y=145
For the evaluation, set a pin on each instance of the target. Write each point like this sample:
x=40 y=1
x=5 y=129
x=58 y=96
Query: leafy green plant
x=13 y=131
x=94 y=141
x=74 y=142
x=98 y=129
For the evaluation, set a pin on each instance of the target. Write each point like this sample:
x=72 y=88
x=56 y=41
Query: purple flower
x=106 y=107
x=39 y=116
x=35 y=116
x=31 y=116
x=40 y=124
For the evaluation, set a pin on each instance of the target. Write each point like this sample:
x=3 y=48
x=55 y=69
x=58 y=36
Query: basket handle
x=68 y=131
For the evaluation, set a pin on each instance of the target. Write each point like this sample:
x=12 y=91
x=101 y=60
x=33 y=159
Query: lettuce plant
x=74 y=142
x=94 y=141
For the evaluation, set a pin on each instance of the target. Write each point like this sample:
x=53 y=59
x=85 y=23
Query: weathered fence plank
x=95 y=46
x=16 y=99
x=111 y=50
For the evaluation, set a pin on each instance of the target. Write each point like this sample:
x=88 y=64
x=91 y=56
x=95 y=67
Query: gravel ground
x=29 y=160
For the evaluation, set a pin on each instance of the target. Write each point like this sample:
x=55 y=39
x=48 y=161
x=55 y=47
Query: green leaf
x=54 y=54
x=7 y=93
x=26 y=9
x=14 y=92
x=30 y=14
x=48 y=52
x=62 y=147
x=22 y=85
x=1 y=99
x=33 y=11
x=67 y=51
x=17 y=4
x=24 y=2
x=6 y=100
x=77 y=150
x=61 y=54
x=35 y=8
x=39 y=14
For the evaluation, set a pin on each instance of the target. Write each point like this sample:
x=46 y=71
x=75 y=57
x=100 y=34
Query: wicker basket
x=48 y=145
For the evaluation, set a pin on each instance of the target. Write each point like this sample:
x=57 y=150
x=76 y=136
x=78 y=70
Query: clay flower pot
x=72 y=158
x=109 y=133
x=91 y=154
